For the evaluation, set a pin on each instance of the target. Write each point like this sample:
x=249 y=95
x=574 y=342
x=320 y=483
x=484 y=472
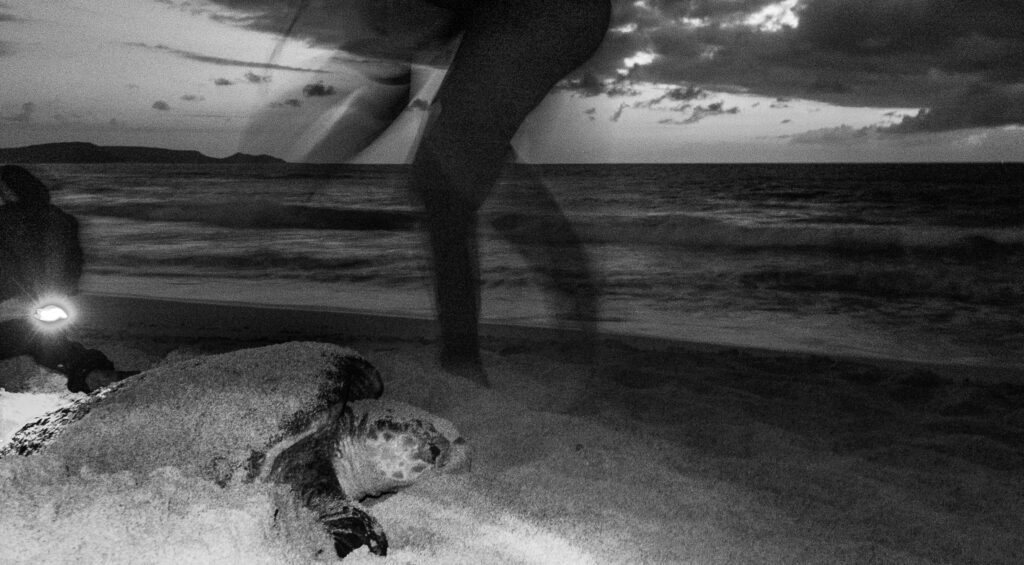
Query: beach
x=653 y=451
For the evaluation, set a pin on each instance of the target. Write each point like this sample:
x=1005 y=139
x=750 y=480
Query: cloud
x=678 y=94
x=192 y=98
x=24 y=116
x=289 y=103
x=842 y=135
x=853 y=52
x=193 y=56
x=161 y=105
x=980 y=105
x=318 y=89
x=885 y=53
x=699 y=113
x=255 y=78
x=222 y=82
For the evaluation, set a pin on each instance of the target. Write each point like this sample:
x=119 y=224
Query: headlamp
x=52 y=313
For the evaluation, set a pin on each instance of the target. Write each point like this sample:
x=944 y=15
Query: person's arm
x=55 y=352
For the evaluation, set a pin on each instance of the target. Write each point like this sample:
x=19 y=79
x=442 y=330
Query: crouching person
x=41 y=257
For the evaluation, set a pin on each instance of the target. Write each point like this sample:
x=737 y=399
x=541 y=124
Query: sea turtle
x=328 y=435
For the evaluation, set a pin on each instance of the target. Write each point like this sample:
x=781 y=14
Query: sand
x=655 y=451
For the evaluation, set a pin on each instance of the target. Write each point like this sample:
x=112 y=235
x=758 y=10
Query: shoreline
x=128 y=316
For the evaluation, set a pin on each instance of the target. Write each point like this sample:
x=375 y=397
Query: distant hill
x=79 y=152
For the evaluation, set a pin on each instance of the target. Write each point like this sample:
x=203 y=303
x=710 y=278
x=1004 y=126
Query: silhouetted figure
x=40 y=255
x=511 y=54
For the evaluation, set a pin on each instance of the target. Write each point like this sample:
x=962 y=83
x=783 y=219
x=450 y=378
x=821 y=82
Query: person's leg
x=512 y=53
x=534 y=223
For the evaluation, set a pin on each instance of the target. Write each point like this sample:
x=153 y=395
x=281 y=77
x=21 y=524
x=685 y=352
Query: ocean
x=910 y=261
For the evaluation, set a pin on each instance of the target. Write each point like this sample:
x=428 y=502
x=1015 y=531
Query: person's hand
x=99 y=378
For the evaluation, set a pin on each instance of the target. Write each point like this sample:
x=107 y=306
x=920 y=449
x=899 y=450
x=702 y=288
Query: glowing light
x=51 y=313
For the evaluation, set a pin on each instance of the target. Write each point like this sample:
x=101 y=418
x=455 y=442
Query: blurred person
x=508 y=54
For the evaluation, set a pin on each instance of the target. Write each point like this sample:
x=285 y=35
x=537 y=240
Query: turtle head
x=384 y=446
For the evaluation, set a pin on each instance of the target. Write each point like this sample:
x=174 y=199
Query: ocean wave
x=263 y=214
x=892 y=283
x=707 y=232
x=260 y=265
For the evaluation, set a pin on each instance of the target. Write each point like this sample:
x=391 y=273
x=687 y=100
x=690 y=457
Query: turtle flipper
x=306 y=466
x=351 y=528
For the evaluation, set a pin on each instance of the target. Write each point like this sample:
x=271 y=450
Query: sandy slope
x=656 y=453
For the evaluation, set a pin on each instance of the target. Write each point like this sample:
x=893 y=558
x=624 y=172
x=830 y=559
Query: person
x=509 y=55
x=41 y=255
x=512 y=52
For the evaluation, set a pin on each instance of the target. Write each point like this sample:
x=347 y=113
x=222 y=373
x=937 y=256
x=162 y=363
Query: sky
x=674 y=80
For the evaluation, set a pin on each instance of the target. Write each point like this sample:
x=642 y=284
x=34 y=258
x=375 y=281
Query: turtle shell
x=301 y=414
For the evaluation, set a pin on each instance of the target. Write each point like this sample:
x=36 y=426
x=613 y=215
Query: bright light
x=50 y=313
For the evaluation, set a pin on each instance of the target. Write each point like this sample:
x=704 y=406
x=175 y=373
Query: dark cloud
x=842 y=135
x=679 y=94
x=222 y=82
x=193 y=56
x=699 y=113
x=255 y=78
x=25 y=115
x=318 y=89
x=980 y=105
x=6 y=48
x=161 y=105
x=896 y=53
x=858 y=52
x=289 y=103
x=586 y=84
x=192 y=98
